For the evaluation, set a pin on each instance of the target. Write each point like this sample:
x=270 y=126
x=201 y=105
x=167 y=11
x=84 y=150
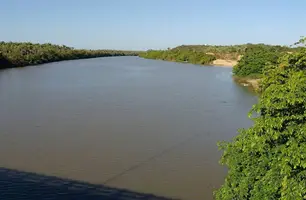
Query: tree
x=255 y=58
x=268 y=160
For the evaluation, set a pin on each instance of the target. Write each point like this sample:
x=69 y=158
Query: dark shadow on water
x=4 y=63
x=19 y=185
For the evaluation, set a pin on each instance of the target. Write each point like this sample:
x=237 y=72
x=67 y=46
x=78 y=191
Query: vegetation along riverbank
x=13 y=54
x=208 y=54
x=267 y=160
x=249 y=70
x=247 y=60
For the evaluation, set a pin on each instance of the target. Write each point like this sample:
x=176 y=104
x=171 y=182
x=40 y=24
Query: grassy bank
x=13 y=54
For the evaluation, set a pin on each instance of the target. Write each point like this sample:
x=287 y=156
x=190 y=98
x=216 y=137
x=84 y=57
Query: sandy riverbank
x=224 y=63
x=248 y=82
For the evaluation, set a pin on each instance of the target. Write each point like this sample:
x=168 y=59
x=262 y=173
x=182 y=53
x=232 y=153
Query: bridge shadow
x=19 y=185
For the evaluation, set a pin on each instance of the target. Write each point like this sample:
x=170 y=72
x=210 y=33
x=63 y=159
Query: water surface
x=145 y=125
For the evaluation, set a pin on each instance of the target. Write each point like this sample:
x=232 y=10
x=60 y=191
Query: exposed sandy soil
x=224 y=63
x=248 y=82
x=254 y=83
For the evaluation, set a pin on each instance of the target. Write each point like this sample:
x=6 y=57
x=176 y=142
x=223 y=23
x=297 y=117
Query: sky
x=152 y=24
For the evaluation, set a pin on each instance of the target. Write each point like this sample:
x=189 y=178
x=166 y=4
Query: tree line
x=18 y=54
x=179 y=56
x=206 y=54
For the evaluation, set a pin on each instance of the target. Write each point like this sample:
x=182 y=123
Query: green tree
x=255 y=58
x=268 y=160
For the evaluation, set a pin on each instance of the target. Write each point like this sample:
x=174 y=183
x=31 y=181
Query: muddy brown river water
x=144 y=125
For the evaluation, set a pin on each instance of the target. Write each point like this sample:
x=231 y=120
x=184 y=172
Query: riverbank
x=20 y=54
x=215 y=63
x=252 y=83
x=224 y=63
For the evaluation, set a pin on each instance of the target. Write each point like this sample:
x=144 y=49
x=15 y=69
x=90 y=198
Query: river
x=144 y=125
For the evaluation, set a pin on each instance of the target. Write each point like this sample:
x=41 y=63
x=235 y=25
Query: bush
x=254 y=60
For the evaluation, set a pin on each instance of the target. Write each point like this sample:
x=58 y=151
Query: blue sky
x=152 y=24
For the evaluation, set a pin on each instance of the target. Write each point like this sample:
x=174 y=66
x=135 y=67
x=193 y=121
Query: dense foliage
x=180 y=56
x=206 y=54
x=255 y=59
x=268 y=160
x=230 y=52
x=21 y=54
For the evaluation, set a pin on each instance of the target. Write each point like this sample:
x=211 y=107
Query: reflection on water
x=148 y=126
